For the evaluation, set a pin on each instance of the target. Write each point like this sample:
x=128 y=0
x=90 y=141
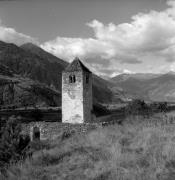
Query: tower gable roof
x=77 y=65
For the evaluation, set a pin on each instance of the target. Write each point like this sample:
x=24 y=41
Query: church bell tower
x=76 y=93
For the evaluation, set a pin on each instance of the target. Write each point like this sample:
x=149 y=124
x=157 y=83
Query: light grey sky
x=110 y=36
x=46 y=19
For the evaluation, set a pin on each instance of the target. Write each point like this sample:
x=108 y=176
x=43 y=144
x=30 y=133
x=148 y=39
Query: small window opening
x=36 y=133
x=87 y=79
x=72 y=79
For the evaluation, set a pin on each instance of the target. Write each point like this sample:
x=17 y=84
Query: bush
x=67 y=134
x=138 y=107
x=12 y=143
x=163 y=107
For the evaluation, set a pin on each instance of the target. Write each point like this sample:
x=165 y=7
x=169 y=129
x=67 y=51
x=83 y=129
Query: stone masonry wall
x=53 y=130
x=48 y=130
x=72 y=98
x=87 y=96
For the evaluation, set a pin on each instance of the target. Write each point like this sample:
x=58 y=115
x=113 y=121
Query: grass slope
x=22 y=92
x=134 y=151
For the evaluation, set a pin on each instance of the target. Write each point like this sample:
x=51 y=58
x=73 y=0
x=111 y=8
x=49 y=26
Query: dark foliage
x=12 y=143
x=100 y=110
x=159 y=107
x=37 y=115
x=138 y=107
x=67 y=134
x=163 y=106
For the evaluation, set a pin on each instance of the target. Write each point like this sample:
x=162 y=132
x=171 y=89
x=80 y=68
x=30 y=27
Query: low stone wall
x=52 y=130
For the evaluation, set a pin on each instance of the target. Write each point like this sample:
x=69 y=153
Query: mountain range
x=150 y=87
x=29 y=75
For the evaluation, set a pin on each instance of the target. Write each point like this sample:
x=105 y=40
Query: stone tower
x=76 y=93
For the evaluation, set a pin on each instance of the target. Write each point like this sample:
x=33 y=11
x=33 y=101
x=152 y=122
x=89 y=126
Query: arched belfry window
x=72 y=79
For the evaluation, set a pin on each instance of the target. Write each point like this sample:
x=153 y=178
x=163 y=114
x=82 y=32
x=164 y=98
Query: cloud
x=121 y=71
x=109 y=71
x=147 y=35
x=10 y=35
x=151 y=34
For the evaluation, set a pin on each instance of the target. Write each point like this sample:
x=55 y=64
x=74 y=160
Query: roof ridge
x=77 y=65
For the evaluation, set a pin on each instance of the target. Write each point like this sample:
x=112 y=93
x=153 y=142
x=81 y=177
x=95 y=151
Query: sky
x=110 y=36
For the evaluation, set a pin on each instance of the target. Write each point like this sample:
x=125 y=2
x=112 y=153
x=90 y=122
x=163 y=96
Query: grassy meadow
x=140 y=149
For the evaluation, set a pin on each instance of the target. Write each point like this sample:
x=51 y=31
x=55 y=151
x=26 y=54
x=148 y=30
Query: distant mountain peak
x=171 y=72
x=37 y=50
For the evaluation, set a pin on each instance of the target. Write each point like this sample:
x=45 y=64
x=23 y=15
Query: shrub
x=163 y=107
x=12 y=143
x=67 y=133
x=138 y=107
